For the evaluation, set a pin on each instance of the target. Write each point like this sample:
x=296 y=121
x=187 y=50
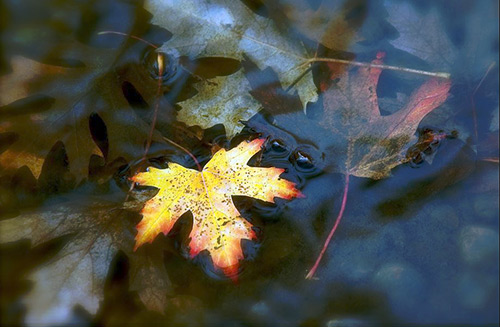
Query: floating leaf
x=207 y=194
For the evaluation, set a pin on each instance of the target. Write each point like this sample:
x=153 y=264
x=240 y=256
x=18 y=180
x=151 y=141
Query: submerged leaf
x=374 y=144
x=221 y=100
x=217 y=224
x=73 y=94
x=229 y=29
x=76 y=275
x=149 y=278
x=355 y=137
x=421 y=35
x=332 y=24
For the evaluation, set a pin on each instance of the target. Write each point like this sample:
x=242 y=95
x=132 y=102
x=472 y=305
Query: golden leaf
x=217 y=226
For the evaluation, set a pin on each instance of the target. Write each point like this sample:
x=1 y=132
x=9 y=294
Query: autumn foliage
x=207 y=194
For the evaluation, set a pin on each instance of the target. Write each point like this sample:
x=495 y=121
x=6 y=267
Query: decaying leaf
x=217 y=224
x=60 y=103
x=374 y=144
x=355 y=137
x=221 y=100
x=229 y=29
x=76 y=275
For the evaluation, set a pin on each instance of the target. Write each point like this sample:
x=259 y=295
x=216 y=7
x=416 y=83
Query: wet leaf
x=374 y=144
x=76 y=275
x=221 y=100
x=92 y=88
x=231 y=30
x=355 y=137
x=207 y=194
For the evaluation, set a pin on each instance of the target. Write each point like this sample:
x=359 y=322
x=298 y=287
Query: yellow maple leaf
x=217 y=226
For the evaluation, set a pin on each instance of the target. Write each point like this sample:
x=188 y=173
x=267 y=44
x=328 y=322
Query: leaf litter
x=350 y=133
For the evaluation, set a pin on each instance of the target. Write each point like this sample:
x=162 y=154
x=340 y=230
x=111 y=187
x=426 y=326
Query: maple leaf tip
x=193 y=252
x=295 y=194
x=300 y=195
x=257 y=142
x=231 y=272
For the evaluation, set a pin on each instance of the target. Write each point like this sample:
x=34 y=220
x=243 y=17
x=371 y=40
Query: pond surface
x=419 y=247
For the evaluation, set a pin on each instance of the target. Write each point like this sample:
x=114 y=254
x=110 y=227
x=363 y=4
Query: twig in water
x=161 y=66
x=128 y=35
x=366 y=64
x=311 y=273
x=495 y=160
x=185 y=150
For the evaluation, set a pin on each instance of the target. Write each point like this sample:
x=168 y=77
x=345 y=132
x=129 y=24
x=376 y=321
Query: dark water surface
x=419 y=247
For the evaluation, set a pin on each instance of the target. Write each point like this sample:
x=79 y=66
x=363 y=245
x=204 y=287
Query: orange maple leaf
x=217 y=226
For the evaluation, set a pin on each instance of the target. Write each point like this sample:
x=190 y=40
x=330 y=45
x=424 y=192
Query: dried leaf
x=217 y=224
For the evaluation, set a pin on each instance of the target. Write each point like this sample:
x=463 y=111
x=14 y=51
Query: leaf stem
x=389 y=67
x=311 y=273
x=160 y=60
x=155 y=116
